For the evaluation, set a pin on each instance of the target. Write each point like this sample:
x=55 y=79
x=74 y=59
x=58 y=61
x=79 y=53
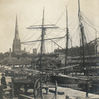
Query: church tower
x=16 y=41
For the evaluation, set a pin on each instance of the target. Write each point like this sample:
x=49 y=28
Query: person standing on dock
x=3 y=81
x=1 y=92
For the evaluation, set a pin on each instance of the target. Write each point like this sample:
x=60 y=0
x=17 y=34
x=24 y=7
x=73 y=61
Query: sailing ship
x=85 y=80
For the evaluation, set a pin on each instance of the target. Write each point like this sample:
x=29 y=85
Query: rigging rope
x=86 y=20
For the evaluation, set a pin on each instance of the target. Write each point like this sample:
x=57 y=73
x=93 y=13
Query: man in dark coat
x=1 y=92
x=3 y=81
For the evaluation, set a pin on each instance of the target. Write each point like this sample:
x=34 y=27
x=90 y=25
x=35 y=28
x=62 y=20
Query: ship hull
x=67 y=81
x=73 y=82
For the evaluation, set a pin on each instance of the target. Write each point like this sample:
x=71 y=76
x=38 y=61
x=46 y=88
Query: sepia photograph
x=49 y=49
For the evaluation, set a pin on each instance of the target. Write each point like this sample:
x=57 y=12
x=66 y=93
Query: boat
x=81 y=79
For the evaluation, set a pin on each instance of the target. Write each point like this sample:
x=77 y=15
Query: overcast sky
x=29 y=12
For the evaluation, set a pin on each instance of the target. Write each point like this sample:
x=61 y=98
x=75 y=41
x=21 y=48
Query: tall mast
x=67 y=37
x=43 y=34
x=41 y=53
x=42 y=39
x=79 y=8
x=82 y=41
x=82 y=45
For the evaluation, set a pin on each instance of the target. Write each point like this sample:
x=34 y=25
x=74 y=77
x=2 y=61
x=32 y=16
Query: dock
x=68 y=92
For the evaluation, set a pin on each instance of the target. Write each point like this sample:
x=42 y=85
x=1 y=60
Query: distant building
x=16 y=42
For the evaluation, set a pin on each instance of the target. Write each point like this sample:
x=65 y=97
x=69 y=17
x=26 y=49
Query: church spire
x=16 y=30
x=16 y=41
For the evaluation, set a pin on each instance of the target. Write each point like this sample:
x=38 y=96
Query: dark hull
x=67 y=81
x=73 y=82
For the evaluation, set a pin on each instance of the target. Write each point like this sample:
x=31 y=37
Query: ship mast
x=41 y=53
x=82 y=45
x=43 y=28
x=42 y=39
x=67 y=37
x=82 y=38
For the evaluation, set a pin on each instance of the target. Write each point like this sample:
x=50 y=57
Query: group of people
x=3 y=85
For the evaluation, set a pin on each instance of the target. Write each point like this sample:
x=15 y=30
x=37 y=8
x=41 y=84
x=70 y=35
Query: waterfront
x=73 y=94
x=52 y=67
